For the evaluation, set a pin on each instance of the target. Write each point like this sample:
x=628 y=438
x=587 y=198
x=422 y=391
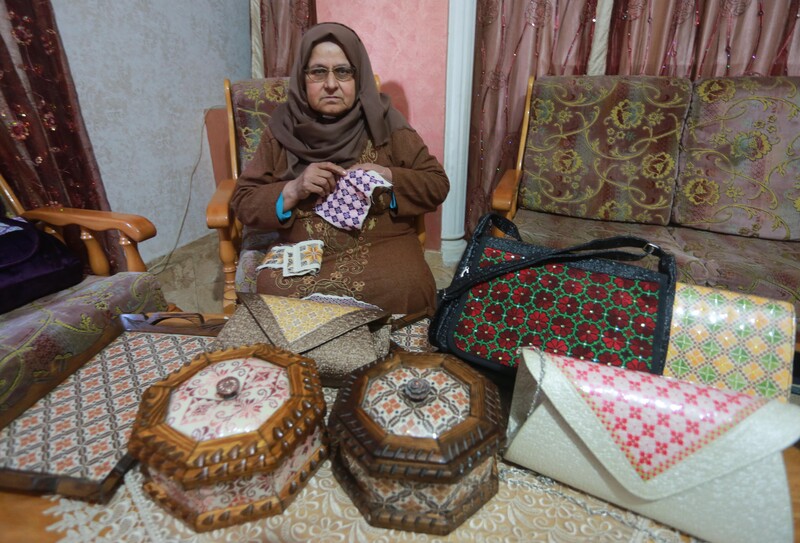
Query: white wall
x=145 y=72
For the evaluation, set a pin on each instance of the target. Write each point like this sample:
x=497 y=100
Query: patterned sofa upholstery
x=709 y=170
x=45 y=341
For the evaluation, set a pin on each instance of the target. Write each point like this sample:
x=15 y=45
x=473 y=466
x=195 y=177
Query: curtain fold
x=513 y=41
x=282 y=24
x=703 y=38
x=45 y=153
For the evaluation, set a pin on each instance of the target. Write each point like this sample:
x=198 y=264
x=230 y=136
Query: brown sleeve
x=420 y=183
x=258 y=187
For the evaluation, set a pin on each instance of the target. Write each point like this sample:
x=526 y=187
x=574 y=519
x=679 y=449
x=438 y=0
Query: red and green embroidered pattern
x=560 y=309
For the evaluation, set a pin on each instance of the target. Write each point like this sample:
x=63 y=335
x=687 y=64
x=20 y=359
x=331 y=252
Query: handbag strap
x=605 y=248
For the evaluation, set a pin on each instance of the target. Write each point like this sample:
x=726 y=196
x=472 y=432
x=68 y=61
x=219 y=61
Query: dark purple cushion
x=33 y=264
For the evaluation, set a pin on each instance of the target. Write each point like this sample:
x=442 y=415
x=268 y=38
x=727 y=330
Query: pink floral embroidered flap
x=655 y=421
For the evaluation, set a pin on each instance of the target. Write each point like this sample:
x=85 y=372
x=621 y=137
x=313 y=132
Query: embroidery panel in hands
x=348 y=205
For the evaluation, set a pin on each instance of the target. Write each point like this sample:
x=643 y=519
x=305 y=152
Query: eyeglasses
x=319 y=74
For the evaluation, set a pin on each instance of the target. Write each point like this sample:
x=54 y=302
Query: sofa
x=707 y=169
x=46 y=339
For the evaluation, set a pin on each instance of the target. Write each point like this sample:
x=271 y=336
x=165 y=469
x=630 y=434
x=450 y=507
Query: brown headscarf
x=306 y=136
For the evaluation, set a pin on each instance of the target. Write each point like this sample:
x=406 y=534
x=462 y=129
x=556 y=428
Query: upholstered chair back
x=603 y=147
x=740 y=163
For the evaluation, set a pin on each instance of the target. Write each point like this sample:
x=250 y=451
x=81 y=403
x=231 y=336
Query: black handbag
x=583 y=301
x=33 y=264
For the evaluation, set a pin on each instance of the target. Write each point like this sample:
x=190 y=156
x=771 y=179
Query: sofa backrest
x=604 y=147
x=739 y=170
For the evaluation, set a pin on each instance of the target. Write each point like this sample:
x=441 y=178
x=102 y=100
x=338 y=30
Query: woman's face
x=331 y=96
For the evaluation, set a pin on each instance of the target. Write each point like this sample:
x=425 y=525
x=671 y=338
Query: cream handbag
x=703 y=460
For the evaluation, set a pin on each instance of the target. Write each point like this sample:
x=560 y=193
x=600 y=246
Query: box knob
x=417 y=389
x=228 y=387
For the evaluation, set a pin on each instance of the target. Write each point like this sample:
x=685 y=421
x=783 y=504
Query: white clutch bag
x=703 y=460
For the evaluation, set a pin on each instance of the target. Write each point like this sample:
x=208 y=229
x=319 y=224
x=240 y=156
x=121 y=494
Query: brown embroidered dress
x=383 y=263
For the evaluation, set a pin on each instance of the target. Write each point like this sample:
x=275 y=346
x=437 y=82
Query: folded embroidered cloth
x=297 y=259
x=348 y=205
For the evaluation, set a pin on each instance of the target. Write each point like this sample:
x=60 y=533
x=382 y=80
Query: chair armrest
x=136 y=227
x=504 y=197
x=218 y=210
x=132 y=229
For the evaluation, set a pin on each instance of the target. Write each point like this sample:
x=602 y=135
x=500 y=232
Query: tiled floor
x=192 y=277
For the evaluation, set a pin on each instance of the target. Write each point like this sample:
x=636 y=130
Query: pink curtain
x=702 y=38
x=283 y=23
x=514 y=40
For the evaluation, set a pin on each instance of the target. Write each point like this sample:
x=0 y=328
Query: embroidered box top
x=228 y=414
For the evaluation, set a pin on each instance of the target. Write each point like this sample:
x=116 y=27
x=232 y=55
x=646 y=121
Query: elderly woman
x=336 y=122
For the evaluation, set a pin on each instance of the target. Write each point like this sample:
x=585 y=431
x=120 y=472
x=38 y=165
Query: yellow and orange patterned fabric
x=732 y=341
x=604 y=147
x=740 y=159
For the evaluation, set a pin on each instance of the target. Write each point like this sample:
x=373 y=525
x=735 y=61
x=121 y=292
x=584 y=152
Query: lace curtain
x=276 y=28
x=691 y=38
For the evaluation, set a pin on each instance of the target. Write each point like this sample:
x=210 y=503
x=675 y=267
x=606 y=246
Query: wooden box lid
x=228 y=414
x=418 y=416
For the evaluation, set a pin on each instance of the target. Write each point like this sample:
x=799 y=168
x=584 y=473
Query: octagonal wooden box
x=232 y=436
x=415 y=441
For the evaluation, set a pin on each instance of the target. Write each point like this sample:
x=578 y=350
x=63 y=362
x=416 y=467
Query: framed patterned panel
x=732 y=341
x=74 y=441
x=604 y=147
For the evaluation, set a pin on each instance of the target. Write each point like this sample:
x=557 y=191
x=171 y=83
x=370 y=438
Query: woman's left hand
x=383 y=171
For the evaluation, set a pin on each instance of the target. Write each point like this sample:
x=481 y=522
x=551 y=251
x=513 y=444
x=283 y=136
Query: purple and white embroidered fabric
x=348 y=205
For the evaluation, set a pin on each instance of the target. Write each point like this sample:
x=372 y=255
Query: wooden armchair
x=45 y=340
x=132 y=229
x=249 y=105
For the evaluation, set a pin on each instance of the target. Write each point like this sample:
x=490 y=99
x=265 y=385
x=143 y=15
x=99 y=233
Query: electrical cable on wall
x=166 y=258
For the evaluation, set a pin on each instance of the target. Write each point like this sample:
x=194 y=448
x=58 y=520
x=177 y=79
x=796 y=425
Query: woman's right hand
x=318 y=178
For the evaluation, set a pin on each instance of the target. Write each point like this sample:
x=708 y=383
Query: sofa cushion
x=604 y=147
x=767 y=268
x=43 y=342
x=255 y=243
x=559 y=232
x=740 y=158
x=710 y=259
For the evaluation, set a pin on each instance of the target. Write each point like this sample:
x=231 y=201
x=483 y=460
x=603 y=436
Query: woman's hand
x=318 y=178
x=383 y=171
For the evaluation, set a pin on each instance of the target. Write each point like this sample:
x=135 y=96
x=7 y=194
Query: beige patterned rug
x=528 y=507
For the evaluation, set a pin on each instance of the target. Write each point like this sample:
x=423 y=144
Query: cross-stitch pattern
x=731 y=340
x=348 y=205
x=656 y=422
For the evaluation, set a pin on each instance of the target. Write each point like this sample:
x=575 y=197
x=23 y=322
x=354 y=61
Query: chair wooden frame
x=504 y=197
x=132 y=229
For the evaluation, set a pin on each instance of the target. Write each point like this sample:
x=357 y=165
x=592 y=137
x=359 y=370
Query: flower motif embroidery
x=751 y=145
x=566 y=162
x=702 y=191
x=542 y=111
x=716 y=90
x=657 y=166
x=627 y=114
x=615 y=211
